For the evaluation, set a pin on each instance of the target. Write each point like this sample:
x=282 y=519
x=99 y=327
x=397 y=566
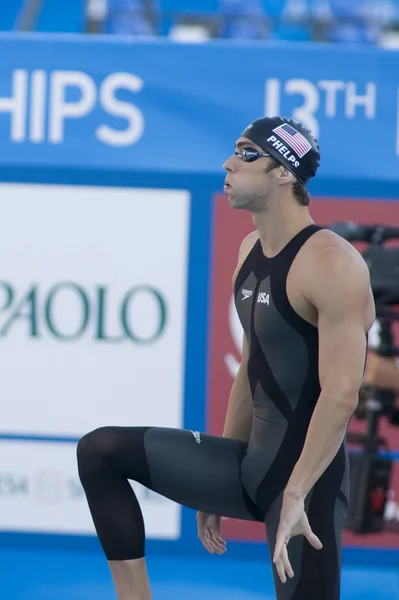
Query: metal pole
x=28 y=15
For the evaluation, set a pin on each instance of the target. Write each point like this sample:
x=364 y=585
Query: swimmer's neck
x=278 y=224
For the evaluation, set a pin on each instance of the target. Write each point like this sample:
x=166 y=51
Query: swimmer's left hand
x=293 y=521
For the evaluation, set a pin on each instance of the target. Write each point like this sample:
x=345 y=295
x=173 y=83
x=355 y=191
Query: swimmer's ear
x=284 y=176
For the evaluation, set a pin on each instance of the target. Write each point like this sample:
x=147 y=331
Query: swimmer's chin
x=236 y=204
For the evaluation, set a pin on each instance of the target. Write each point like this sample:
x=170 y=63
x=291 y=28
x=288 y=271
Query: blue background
x=196 y=100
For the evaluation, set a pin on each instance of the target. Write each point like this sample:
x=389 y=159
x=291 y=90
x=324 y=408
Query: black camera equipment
x=370 y=470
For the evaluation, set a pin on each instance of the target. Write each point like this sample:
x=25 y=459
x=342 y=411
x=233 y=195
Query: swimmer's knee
x=96 y=444
x=114 y=451
x=105 y=445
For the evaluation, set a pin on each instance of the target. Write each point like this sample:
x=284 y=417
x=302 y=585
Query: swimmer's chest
x=270 y=301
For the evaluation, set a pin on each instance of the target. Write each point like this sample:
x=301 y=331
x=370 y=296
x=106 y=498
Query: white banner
x=40 y=492
x=93 y=288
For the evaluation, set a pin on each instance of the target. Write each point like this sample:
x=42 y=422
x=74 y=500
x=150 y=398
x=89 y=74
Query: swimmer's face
x=247 y=184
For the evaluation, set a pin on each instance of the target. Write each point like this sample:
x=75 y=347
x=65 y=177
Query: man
x=382 y=372
x=304 y=300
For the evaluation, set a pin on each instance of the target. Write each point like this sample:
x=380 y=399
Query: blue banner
x=162 y=106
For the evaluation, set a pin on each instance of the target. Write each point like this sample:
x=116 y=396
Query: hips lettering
x=279 y=146
x=263 y=298
x=40 y=107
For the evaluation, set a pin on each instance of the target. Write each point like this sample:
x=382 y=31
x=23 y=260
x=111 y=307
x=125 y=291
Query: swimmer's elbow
x=343 y=393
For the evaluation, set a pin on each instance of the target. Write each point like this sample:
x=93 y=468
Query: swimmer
x=304 y=300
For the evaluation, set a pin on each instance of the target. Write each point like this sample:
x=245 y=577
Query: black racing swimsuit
x=229 y=477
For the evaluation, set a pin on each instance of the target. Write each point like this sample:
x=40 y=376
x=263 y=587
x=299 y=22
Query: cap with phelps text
x=288 y=142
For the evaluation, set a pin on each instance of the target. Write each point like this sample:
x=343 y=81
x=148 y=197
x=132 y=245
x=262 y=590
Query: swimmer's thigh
x=199 y=471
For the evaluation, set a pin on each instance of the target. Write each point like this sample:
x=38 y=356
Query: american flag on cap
x=294 y=139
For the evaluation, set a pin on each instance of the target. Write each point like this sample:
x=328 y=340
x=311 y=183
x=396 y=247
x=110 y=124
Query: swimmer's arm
x=238 y=421
x=345 y=306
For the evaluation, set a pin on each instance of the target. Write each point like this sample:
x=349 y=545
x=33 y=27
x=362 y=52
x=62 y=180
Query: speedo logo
x=279 y=146
x=246 y=294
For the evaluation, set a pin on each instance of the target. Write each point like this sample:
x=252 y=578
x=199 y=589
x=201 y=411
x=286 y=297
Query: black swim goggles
x=250 y=154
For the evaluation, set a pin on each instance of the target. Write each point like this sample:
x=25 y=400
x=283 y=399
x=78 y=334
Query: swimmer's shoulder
x=326 y=246
x=329 y=259
x=247 y=244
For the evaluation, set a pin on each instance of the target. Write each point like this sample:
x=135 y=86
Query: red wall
x=229 y=230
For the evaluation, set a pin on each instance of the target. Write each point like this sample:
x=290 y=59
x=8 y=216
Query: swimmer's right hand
x=209 y=527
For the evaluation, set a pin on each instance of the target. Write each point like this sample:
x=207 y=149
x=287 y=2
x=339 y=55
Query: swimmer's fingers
x=206 y=542
x=306 y=530
x=216 y=538
x=216 y=548
x=286 y=562
x=209 y=545
x=283 y=565
x=313 y=540
x=203 y=533
x=208 y=533
x=282 y=539
x=213 y=525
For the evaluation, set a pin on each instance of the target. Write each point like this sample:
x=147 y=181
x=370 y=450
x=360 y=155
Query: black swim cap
x=289 y=142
